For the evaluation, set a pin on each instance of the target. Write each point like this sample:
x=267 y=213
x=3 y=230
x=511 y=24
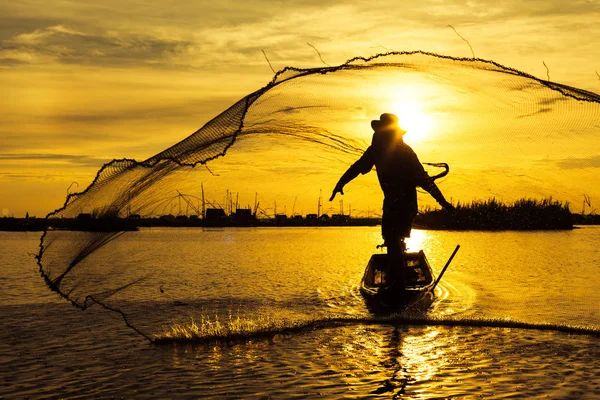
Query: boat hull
x=383 y=296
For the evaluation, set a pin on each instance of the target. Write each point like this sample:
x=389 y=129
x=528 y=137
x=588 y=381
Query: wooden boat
x=381 y=296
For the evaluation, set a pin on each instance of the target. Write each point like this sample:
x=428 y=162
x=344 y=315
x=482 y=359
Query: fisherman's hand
x=338 y=189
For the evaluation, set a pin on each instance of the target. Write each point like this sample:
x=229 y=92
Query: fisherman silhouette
x=400 y=173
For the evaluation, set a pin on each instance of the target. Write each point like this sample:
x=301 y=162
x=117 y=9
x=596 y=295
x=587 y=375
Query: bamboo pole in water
x=445 y=266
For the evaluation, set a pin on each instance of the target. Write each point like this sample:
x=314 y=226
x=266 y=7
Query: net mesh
x=504 y=133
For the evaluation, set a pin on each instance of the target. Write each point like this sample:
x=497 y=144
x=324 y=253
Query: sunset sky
x=85 y=82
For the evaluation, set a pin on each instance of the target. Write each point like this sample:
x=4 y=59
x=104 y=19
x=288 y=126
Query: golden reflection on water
x=397 y=359
x=356 y=360
x=422 y=356
x=416 y=240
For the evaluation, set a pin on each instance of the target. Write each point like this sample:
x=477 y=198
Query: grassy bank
x=491 y=214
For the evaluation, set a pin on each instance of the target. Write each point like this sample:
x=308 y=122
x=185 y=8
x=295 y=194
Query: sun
x=418 y=124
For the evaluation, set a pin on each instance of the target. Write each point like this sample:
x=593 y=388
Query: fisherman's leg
x=391 y=229
x=396 y=248
x=402 y=263
x=403 y=228
x=395 y=255
x=388 y=232
x=392 y=259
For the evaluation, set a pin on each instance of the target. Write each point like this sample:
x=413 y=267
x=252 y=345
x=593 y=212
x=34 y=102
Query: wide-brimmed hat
x=386 y=122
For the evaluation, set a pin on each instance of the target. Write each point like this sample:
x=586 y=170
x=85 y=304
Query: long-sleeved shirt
x=399 y=172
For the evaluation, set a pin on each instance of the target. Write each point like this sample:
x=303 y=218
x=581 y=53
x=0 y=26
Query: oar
x=445 y=266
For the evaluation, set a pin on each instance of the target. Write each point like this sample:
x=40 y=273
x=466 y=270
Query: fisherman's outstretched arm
x=436 y=193
x=362 y=166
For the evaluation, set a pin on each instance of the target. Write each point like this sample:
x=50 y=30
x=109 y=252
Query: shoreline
x=478 y=215
x=8 y=224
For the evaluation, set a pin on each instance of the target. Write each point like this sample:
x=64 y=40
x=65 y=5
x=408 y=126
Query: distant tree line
x=490 y=214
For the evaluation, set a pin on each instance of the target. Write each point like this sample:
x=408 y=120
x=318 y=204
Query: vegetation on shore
x=491 y=214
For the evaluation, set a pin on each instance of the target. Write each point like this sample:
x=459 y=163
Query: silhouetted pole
x=445 y=266
x=203 y=202
x=294 y=206
x=227 y=202
x=319 y=206
x=255 y=203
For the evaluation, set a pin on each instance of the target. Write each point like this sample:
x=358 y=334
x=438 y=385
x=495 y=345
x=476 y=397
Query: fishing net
x=504 y=133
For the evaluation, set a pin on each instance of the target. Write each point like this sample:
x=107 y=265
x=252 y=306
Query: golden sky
x=85 y=82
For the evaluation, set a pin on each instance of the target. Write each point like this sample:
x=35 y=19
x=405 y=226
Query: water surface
x=283 y=276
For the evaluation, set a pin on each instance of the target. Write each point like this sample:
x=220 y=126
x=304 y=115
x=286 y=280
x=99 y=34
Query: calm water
x=276 y=278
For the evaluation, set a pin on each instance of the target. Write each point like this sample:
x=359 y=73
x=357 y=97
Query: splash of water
x=207 y=330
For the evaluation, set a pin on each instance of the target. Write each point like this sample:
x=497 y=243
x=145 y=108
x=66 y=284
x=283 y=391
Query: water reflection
x=78 y=358
x=394 y=365
x=411 y=359
x=417 y=239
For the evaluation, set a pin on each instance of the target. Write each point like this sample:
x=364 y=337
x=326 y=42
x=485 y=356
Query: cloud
x=571 y=163
x=67 y=45
x=197 y=33
x=574 y=163
x=75 y=160
x=20 y=142
x=175 y=109
x=13 y=25
x=9 y=61
x=25 y=176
